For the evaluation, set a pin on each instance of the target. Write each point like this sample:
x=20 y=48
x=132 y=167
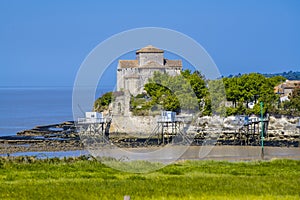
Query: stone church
x=132 y=75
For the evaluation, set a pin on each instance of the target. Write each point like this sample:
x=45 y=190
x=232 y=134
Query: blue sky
x=43 y=43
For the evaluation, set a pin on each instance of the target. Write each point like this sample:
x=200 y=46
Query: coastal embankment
x=281 y=138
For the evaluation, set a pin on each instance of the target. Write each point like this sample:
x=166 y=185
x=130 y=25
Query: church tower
x=132 y=75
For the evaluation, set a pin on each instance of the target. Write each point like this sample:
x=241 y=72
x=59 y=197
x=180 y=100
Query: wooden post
x=262 y=129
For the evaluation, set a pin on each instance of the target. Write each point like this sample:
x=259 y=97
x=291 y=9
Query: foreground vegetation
x=86 y=178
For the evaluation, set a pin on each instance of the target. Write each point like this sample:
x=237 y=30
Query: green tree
x=292 y=107
x=177 y=93
x=197 y=82
x=103 y=102
x=295 y=99
x=161 y=94
x=251 y=87
x=217 y=96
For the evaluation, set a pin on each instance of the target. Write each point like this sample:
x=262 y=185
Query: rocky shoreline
x=8 y=148
x=53 y=137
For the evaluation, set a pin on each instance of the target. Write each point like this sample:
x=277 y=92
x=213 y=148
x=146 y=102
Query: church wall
x=134 y=79
x=173 y=72
x=146 y=57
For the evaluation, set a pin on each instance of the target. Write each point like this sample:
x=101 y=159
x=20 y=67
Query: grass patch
x=86 y=178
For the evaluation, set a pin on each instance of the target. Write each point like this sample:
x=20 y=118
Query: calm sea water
x=24 y=108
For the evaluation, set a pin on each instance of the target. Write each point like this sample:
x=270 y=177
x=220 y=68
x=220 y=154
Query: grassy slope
x=83 y=179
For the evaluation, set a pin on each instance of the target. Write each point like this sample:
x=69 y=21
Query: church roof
x=128 y=63
x=173 y=63
x=150 y=49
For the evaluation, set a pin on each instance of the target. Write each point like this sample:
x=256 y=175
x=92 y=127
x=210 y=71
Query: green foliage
x=295 y=99
x=292 y=107
x=177 y=93
x=140 y=105
x=190 y=92
x=103 y=102
x=186 y=92
x=197 y=82
x=287 y=75
x=217 y=97
x=238 y=110
x=251 y=87
x=207 y=107
x=86 y=178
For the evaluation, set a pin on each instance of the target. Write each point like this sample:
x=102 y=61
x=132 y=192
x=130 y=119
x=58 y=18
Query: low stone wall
x=281 y=132
x=133 y=125
x=283 y=126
